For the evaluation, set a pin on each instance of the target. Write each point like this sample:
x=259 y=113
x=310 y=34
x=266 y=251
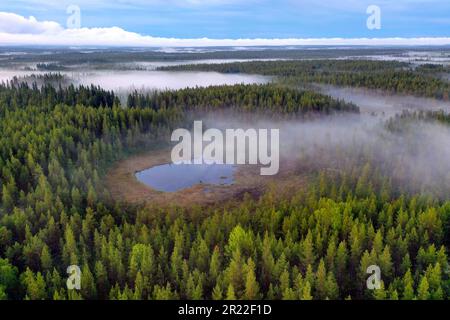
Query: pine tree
x=408 y=286
x=306 y=294
x=214 y=266
x=308 y=257
x=230 y=293
x=321 y=281
x=234 y=274
x=423 y=289
x=341 y=263
x=88 y=288
x=380 y=294
x=217 y=293
x=332 y=287
x=139 y=287
x=251 y=291
x=385 y=262
x=46 y=259
x=35 y=285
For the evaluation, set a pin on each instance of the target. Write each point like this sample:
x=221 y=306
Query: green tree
x=251 y=291
x=423 y=289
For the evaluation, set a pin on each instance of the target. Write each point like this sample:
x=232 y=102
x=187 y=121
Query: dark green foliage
x=394 y=77
x=288 y=68
x=18 y=94
x=263 y=99
x=50 y=67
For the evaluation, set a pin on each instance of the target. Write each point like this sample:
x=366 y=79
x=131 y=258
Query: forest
x=109 y=56
x=262 y=99
x=389 y=76
x=316 y=243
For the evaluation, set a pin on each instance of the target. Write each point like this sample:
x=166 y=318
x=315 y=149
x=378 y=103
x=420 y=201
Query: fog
x=414 y=57
x=372 y=101
x=9 y=74
x=161 y=80
x=124 y=81
x=415 y=158
x=153 y=65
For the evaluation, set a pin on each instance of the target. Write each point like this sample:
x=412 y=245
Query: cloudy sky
x=168 y=22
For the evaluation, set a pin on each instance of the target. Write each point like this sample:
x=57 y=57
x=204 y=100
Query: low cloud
x=19 y=30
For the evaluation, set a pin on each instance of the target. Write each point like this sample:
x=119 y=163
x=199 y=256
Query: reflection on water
x=175 y=177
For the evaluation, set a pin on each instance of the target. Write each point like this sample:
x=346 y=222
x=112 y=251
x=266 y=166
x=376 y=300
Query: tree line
x=268 y=98
x=391 y=76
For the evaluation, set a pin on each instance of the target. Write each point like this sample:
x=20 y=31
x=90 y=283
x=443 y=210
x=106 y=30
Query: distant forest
x=110 y=56
x=392 y=77
x=263 y=99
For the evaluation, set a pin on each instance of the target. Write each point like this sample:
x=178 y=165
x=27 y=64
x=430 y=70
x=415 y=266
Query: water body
x=176 y=177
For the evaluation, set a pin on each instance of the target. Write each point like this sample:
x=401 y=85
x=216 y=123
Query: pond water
x=175 y=177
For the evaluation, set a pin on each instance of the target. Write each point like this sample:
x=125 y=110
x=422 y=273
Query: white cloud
x=16 y=24
x=18 y=30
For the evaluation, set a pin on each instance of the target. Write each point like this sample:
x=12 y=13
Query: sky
x=189 y=22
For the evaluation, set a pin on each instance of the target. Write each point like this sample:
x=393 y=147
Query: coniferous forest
x=313 y=242
x=393 y=77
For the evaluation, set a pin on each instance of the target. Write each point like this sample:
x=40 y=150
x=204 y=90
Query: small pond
x=175 y=177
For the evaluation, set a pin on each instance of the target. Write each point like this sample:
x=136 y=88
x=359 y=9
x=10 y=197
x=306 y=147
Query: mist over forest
x=364 y=174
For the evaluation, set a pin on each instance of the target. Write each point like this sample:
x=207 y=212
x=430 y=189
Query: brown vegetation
x=123 y=185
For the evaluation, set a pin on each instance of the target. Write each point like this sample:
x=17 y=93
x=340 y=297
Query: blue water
x=175 y=177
